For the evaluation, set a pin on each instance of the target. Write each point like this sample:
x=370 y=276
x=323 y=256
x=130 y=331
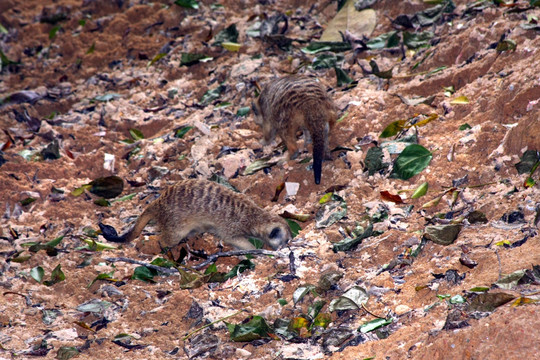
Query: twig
x=370 y=313
x=212 y=258
x=499 y=260
x=142 y=263
x=212 y=323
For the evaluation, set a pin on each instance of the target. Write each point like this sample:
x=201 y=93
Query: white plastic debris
x=108 y=163
x=292 y=188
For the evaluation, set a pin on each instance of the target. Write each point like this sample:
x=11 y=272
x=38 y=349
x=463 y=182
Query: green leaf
x=67 y=352
x=37 y=273
x=534 y=2
x=319 y=46
x=80 y=190
x=326 y=61
x=295 y=228
x=302 y=291
x=258 y=165
x=230 y=34
x=156 y=58
x=53 y=31
x=106 y=97
x=377 y=72
x=420 y=191
x=57 y=275
x=465 y=127
x=125 y=197
x=259 y=244
x=528 y=161
x=374 y=324
x=243 y=111
x=3 y=30
x=190 y=4
x=351 y=243
x=211 y=95
x=27 y=201
x=211 y=269
x=342 y=77
x=222 y=181
x=144 y=274
x=95 y=306
x=98 y=246
x=393 y=128
x=387 y=40
x=506 y=45
x=417 y=40
x=488 y=302
x=282 y=302
x=412 y=160
x=107 y=187
x=240 y=268
x=91 y=49
x=103 y=276
x=182 y=131
x=479 y=289
x=189 y=59
x=315 y=309
x=102 y=202
x=136 y=134
x=374 y=160
x=511 y=280
x=331 y=212
x=352 y=299
x=256 y=328
x=55 y=242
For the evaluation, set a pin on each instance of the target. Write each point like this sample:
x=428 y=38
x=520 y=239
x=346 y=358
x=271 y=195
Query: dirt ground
x=85 y=73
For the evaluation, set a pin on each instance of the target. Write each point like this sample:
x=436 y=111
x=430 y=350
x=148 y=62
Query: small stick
x=212 y=258
x=372 y=314
x=142 y=263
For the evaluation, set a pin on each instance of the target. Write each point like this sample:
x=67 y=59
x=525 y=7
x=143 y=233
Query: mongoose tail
x=110 y=234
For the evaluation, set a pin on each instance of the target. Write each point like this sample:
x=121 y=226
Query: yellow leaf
x=503 y=242
x=433 y=202
x=523 y=300
x=231 y=46
x=326 y=198
x=460 y=100
x=99 y=246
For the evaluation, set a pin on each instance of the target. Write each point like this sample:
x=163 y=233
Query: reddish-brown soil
x=111 y=54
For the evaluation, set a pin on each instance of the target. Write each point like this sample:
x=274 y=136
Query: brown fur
x=293 y=103
x=193 y=207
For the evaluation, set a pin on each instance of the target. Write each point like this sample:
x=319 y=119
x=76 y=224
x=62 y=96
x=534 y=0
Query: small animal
x=291 y=103
x=192 y=207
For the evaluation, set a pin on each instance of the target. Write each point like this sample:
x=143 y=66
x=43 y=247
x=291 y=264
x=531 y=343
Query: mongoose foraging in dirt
x=192 y=207
x=293 y=103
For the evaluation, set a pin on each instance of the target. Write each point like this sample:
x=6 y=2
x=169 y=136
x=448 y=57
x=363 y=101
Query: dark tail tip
x=317 y=165
x=110 y=234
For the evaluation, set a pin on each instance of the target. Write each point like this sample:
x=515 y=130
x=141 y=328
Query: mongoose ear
x=276 y=232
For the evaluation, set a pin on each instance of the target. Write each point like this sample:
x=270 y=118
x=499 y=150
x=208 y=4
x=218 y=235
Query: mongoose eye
x=276 y=232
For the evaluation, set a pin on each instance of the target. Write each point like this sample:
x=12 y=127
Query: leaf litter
x=108 y=105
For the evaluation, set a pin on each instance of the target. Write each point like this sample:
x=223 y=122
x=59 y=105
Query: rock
x=402 y=309
x=442 y=234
